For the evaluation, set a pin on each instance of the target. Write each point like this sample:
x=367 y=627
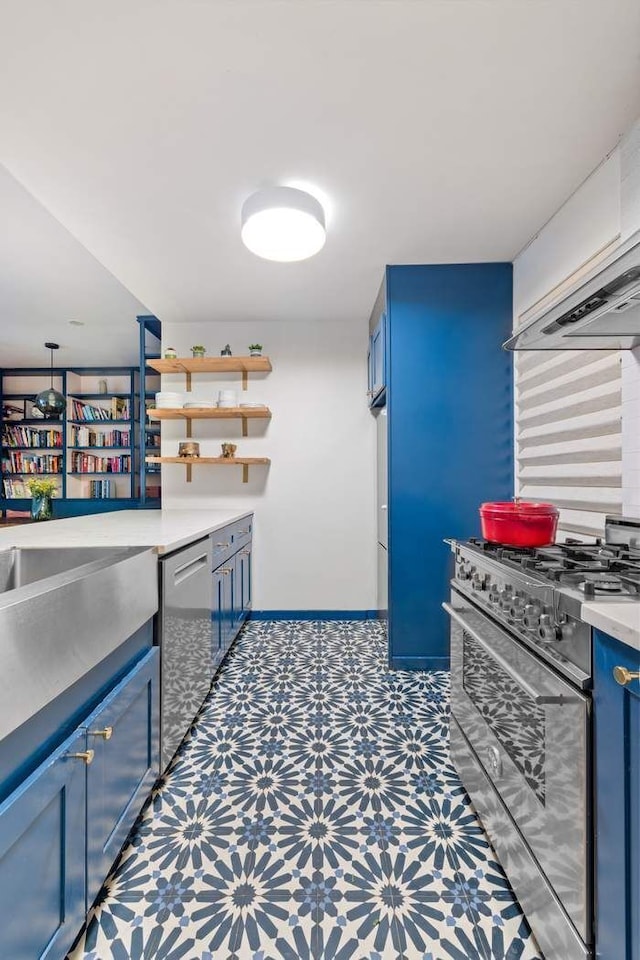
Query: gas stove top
x=538 y=594
x=596 y=569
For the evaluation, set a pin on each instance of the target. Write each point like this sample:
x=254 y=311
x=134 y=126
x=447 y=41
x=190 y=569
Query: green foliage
x=41 y=487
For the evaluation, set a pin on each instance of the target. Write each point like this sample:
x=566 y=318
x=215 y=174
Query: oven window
x=515 y=719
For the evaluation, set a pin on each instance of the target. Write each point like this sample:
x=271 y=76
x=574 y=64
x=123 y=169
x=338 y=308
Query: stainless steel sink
x=62 y=612
x=22 y=565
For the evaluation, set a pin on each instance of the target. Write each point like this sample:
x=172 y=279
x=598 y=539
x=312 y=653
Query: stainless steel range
x=521 y=705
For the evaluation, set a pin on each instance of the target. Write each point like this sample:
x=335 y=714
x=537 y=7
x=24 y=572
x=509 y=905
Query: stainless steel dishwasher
x=185 y=638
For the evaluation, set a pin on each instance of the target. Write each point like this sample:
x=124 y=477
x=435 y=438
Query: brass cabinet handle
x=623 y=676
x=86 y=755
x=223 y=545
x=225 y=570
x=106 y=734
x=245 y=553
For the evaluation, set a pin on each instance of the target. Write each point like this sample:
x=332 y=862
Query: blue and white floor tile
x=312 y=814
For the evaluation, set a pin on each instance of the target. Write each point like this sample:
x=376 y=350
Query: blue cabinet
x=123 y=733
x=377 y=360
x=449 y=404
x=244 y=581
x=62 y=828
x=617 y=782
x=42 y=858
x=231 y=593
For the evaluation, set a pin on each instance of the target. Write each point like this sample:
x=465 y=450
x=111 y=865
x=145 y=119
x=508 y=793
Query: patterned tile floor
x=313 y=812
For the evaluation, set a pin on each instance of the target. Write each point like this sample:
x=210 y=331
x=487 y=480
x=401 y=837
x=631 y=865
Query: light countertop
x=620 y=620
x=166 y=530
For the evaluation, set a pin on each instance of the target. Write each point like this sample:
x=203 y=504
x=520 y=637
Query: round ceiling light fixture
x=283 y=223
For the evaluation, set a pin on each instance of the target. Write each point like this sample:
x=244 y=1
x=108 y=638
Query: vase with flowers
x=42 y=491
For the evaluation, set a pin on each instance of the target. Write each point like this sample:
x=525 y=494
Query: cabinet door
x=217 y=617
x=42 y=858
x=245 y=580
x=617 y=740
x=228 y=617
x=377 y=363
x=124 y=733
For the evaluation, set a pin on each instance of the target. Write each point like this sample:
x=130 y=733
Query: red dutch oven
x=519 y=524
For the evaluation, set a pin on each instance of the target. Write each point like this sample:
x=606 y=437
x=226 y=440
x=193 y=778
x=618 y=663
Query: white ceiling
x=48 y=278
x=438 y=131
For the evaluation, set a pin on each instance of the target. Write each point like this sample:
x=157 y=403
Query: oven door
x=530 y=731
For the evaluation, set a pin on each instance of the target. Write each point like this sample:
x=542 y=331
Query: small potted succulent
x=198 y=350
x=42 y=491
x=255 y=349
x=170 y=353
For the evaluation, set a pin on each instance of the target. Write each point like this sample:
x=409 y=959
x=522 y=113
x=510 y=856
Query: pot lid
x=519 y=508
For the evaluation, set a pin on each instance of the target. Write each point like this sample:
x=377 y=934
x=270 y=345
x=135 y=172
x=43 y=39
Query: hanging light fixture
x=50 y=402
x=283 y=223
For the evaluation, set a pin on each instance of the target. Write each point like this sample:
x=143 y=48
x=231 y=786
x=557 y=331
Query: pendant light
x=50 y=402
x=283 y=223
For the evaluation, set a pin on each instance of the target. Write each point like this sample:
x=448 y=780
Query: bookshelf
x=91 y=451
x=148 y=431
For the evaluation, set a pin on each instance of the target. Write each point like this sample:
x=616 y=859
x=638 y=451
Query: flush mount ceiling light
x=283 y=223
x=50 y=402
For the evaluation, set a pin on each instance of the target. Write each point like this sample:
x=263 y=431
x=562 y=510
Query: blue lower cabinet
x=216 y=616
x=616 y=696
x=231 y=598
x=42 y=858
x=123 y=733
x=244 y=564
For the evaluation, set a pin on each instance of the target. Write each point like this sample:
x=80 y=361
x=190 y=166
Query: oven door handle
x=538 y=698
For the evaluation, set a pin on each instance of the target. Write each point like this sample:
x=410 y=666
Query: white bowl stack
x=227 y=398
x=167 y=400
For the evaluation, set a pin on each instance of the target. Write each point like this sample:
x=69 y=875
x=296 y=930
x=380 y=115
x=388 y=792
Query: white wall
x=314 y=506
x=604 y=210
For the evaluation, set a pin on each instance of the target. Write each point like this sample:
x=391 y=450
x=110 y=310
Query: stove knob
x=548 y=630
x=465 y=572
x=506 y=598
x=532 y=613
x=494 y=596
x=516 y=610
x=478 y=582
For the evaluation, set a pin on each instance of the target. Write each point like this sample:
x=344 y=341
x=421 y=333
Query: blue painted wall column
x=450 y=413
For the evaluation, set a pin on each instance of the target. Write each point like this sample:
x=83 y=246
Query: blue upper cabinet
x=616 y=696
x=450 y=435
x=377 y=357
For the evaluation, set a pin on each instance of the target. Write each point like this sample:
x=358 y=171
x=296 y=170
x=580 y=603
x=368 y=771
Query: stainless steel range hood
x=602 y=313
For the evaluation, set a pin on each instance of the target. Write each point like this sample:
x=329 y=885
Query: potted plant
x=41 y=491
x=198 y=350
x=255 y=349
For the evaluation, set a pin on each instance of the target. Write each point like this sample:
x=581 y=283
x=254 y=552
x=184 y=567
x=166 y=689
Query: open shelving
x=189 y=462
x=191 y=365
x=211 y=413
x=75 y=492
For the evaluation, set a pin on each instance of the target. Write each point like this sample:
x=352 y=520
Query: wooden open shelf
x=191 y=365
x=188 y=462
x=210 y=413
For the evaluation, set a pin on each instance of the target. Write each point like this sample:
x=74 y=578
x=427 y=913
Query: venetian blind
x=569 y=435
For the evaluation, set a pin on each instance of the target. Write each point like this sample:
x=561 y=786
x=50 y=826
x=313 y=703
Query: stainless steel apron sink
x=20 y=566
x=63 y=611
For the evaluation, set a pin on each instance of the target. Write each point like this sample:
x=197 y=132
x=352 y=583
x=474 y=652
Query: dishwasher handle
x=180 y=574
x=538 y=698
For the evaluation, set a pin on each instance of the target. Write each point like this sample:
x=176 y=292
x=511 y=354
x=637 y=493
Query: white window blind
x=569 y=435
